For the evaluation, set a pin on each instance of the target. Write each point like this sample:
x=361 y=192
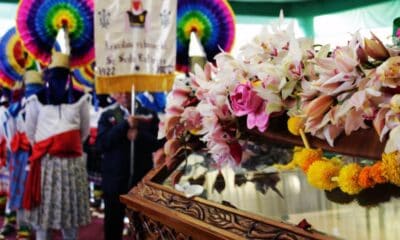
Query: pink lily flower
x=259 y=119
x=318 y=106
x=375 y=48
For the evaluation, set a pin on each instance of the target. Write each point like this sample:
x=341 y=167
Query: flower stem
x=303 y=137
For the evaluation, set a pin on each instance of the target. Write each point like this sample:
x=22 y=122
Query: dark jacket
x=115 y=147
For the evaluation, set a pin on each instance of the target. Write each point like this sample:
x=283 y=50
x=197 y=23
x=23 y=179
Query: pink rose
x=244 y=100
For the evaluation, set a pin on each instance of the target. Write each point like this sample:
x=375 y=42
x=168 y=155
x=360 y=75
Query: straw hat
x=33 y=77
x=59 y=60
x=17 y=86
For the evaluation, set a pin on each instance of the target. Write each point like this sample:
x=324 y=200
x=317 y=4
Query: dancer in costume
x=3 y=155
x=8 y=129
x=20 y=148
x=57 y=122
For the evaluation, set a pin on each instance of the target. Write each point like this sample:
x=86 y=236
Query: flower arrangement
x=324 y=92
x=351 y=178
x=328 y=174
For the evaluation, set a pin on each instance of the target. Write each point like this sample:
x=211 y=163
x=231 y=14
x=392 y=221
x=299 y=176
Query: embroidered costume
x=19 y=155
x=58 y=178
x=4 y=174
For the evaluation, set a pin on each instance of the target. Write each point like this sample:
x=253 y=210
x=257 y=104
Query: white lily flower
x=189 y=190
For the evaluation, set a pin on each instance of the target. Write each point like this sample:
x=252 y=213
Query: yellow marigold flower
x=304 y=157
x=348 y=179
x=376 y=173
x=364 y=178
x=336 y=160
x=291 y=165
x=295 y=124
x=391 y=167
x=320 y=174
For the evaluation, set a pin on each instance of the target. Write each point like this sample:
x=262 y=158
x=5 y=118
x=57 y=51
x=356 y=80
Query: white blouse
x=45 y=121
x=7 y=126
x=95 y=116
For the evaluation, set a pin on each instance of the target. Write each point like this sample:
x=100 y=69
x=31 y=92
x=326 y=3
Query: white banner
x=134 y=38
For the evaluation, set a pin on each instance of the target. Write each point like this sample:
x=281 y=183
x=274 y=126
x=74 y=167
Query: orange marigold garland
x=376 y=173
x=302 y=158
x=328 y=174
x=391 y=167
x=348 y=178
x=365 y=179
x=321 y=174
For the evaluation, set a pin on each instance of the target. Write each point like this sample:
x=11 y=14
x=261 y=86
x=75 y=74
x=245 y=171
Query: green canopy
x=376 y=13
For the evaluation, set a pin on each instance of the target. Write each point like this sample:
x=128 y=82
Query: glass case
x=257 y=188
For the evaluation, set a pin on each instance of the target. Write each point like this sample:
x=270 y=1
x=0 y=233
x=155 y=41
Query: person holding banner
x=116 y=129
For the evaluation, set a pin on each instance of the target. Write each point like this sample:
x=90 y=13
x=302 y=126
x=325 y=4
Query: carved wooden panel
x=240 y=225
x=143 y=227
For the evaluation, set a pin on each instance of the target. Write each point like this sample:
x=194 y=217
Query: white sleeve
x=31 y=117
x=85 y=116
x=2 y=120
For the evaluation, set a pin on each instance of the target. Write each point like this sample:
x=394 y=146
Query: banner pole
x=132 y=153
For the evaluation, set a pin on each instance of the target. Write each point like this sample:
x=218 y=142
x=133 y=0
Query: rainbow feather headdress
x=38 y=22
x=214 y=24
x=14 y=59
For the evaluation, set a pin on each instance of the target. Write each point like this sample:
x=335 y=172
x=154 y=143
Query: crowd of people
x=53 y=140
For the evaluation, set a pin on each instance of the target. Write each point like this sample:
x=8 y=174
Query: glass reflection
x=257 y=188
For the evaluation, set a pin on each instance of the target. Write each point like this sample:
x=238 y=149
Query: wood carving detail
x=245 y=227
x=144 y=227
